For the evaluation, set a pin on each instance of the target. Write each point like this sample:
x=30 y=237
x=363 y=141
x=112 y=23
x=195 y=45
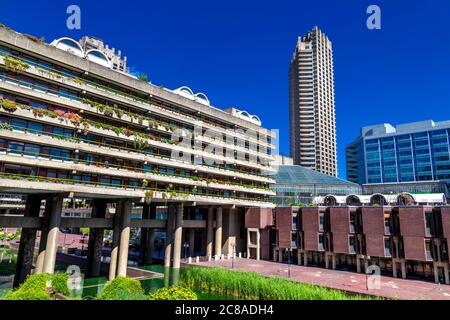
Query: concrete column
x=115 y=242
x=447 y=279
x=403 y=269
x=209 y=232
x=305 y=258
x=394 y=268
x=230 y=231
x=53 y=233
x=169 y=226
x=327 y=261
x=191 y=241
x=358 y=264
x=218 y=240
x=333 y=261
x=122 y=262
x=178 y=237
x=280 y=255
x=94 y=257
x=27 y=241
x=43 y=237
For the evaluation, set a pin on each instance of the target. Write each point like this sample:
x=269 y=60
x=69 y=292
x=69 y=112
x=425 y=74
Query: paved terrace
x=351 y=282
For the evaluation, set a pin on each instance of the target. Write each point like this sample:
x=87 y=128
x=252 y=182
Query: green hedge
x=122 y=288
x=173 y=293
x=35 y=287
x=251 y=285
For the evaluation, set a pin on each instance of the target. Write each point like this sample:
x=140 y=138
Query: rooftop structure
x=296 y=184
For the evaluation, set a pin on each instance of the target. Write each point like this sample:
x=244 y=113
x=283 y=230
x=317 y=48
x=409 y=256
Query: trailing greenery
x=35 y=287
x=121 y=288
x=253 y=286
x=15 y=65
x=173 y=293
x=9 y=105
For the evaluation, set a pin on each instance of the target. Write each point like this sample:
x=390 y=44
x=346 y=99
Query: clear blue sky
x=238 y=52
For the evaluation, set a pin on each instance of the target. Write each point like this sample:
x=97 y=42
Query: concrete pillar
x=39 y=268
x=305 y=258
x=333 y=261
x=95 y=248
x=327 y=261
x=115 y=243
x=53 y=233
x=27 y=241
x=394 y=268
x=218 y=240
x=209 y=232
x=358 y=264
x=280 y=255
x=230 y=231
x=191 y=241
x=178 y=237
x=122 y=261
x=403 y=269
x=169 y=226
x=447 y=279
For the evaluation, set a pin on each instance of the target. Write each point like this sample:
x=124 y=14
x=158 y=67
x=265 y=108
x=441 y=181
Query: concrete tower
x=311 y=104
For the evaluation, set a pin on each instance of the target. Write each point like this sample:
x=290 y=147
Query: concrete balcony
x=126 y=154
x=34 y=161
x=28 y=114
x=84 y=190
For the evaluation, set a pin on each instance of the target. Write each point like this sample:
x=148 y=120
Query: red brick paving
x=403 y=289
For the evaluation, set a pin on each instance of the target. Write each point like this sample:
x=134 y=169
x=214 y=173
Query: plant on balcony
x=34 y=38
x=155 y=171
x=140 y=143
x=143 y=77
x=74 y=118
x=144 y=183
x=15 y=65
x=5 y=126
x=108 y=111
x=119 y=112
x=194 y=189
x=37 y=112
x=164 y=196
x=149 y=195
x=9 y=105
x=77 y=80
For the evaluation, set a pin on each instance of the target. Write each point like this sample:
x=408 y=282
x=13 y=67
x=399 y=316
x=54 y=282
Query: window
x=351 y=244
x=321 y=221
x=387 y=247
x=321 y=242
x=429 y=223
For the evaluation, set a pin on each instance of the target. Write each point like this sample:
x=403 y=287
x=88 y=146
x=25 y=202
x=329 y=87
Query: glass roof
x=291 y=174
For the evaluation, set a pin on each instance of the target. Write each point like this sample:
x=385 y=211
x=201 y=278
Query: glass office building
x=410 y=153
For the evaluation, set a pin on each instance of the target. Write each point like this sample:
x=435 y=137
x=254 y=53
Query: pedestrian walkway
x=403 y=289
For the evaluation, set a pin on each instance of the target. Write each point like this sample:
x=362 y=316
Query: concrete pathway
x=403 y=289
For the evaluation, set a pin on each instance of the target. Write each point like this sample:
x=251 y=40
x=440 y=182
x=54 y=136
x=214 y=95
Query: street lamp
x=186 y=247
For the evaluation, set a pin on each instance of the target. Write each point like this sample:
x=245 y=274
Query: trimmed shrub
x=59 y=283
x=27 y=294
x=35 y=287
x=173 y=293
x=122 y=288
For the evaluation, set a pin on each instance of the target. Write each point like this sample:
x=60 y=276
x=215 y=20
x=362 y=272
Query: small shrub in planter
x=121 y=288
x=30 y=294
x=173 y=293
x=9 y=105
